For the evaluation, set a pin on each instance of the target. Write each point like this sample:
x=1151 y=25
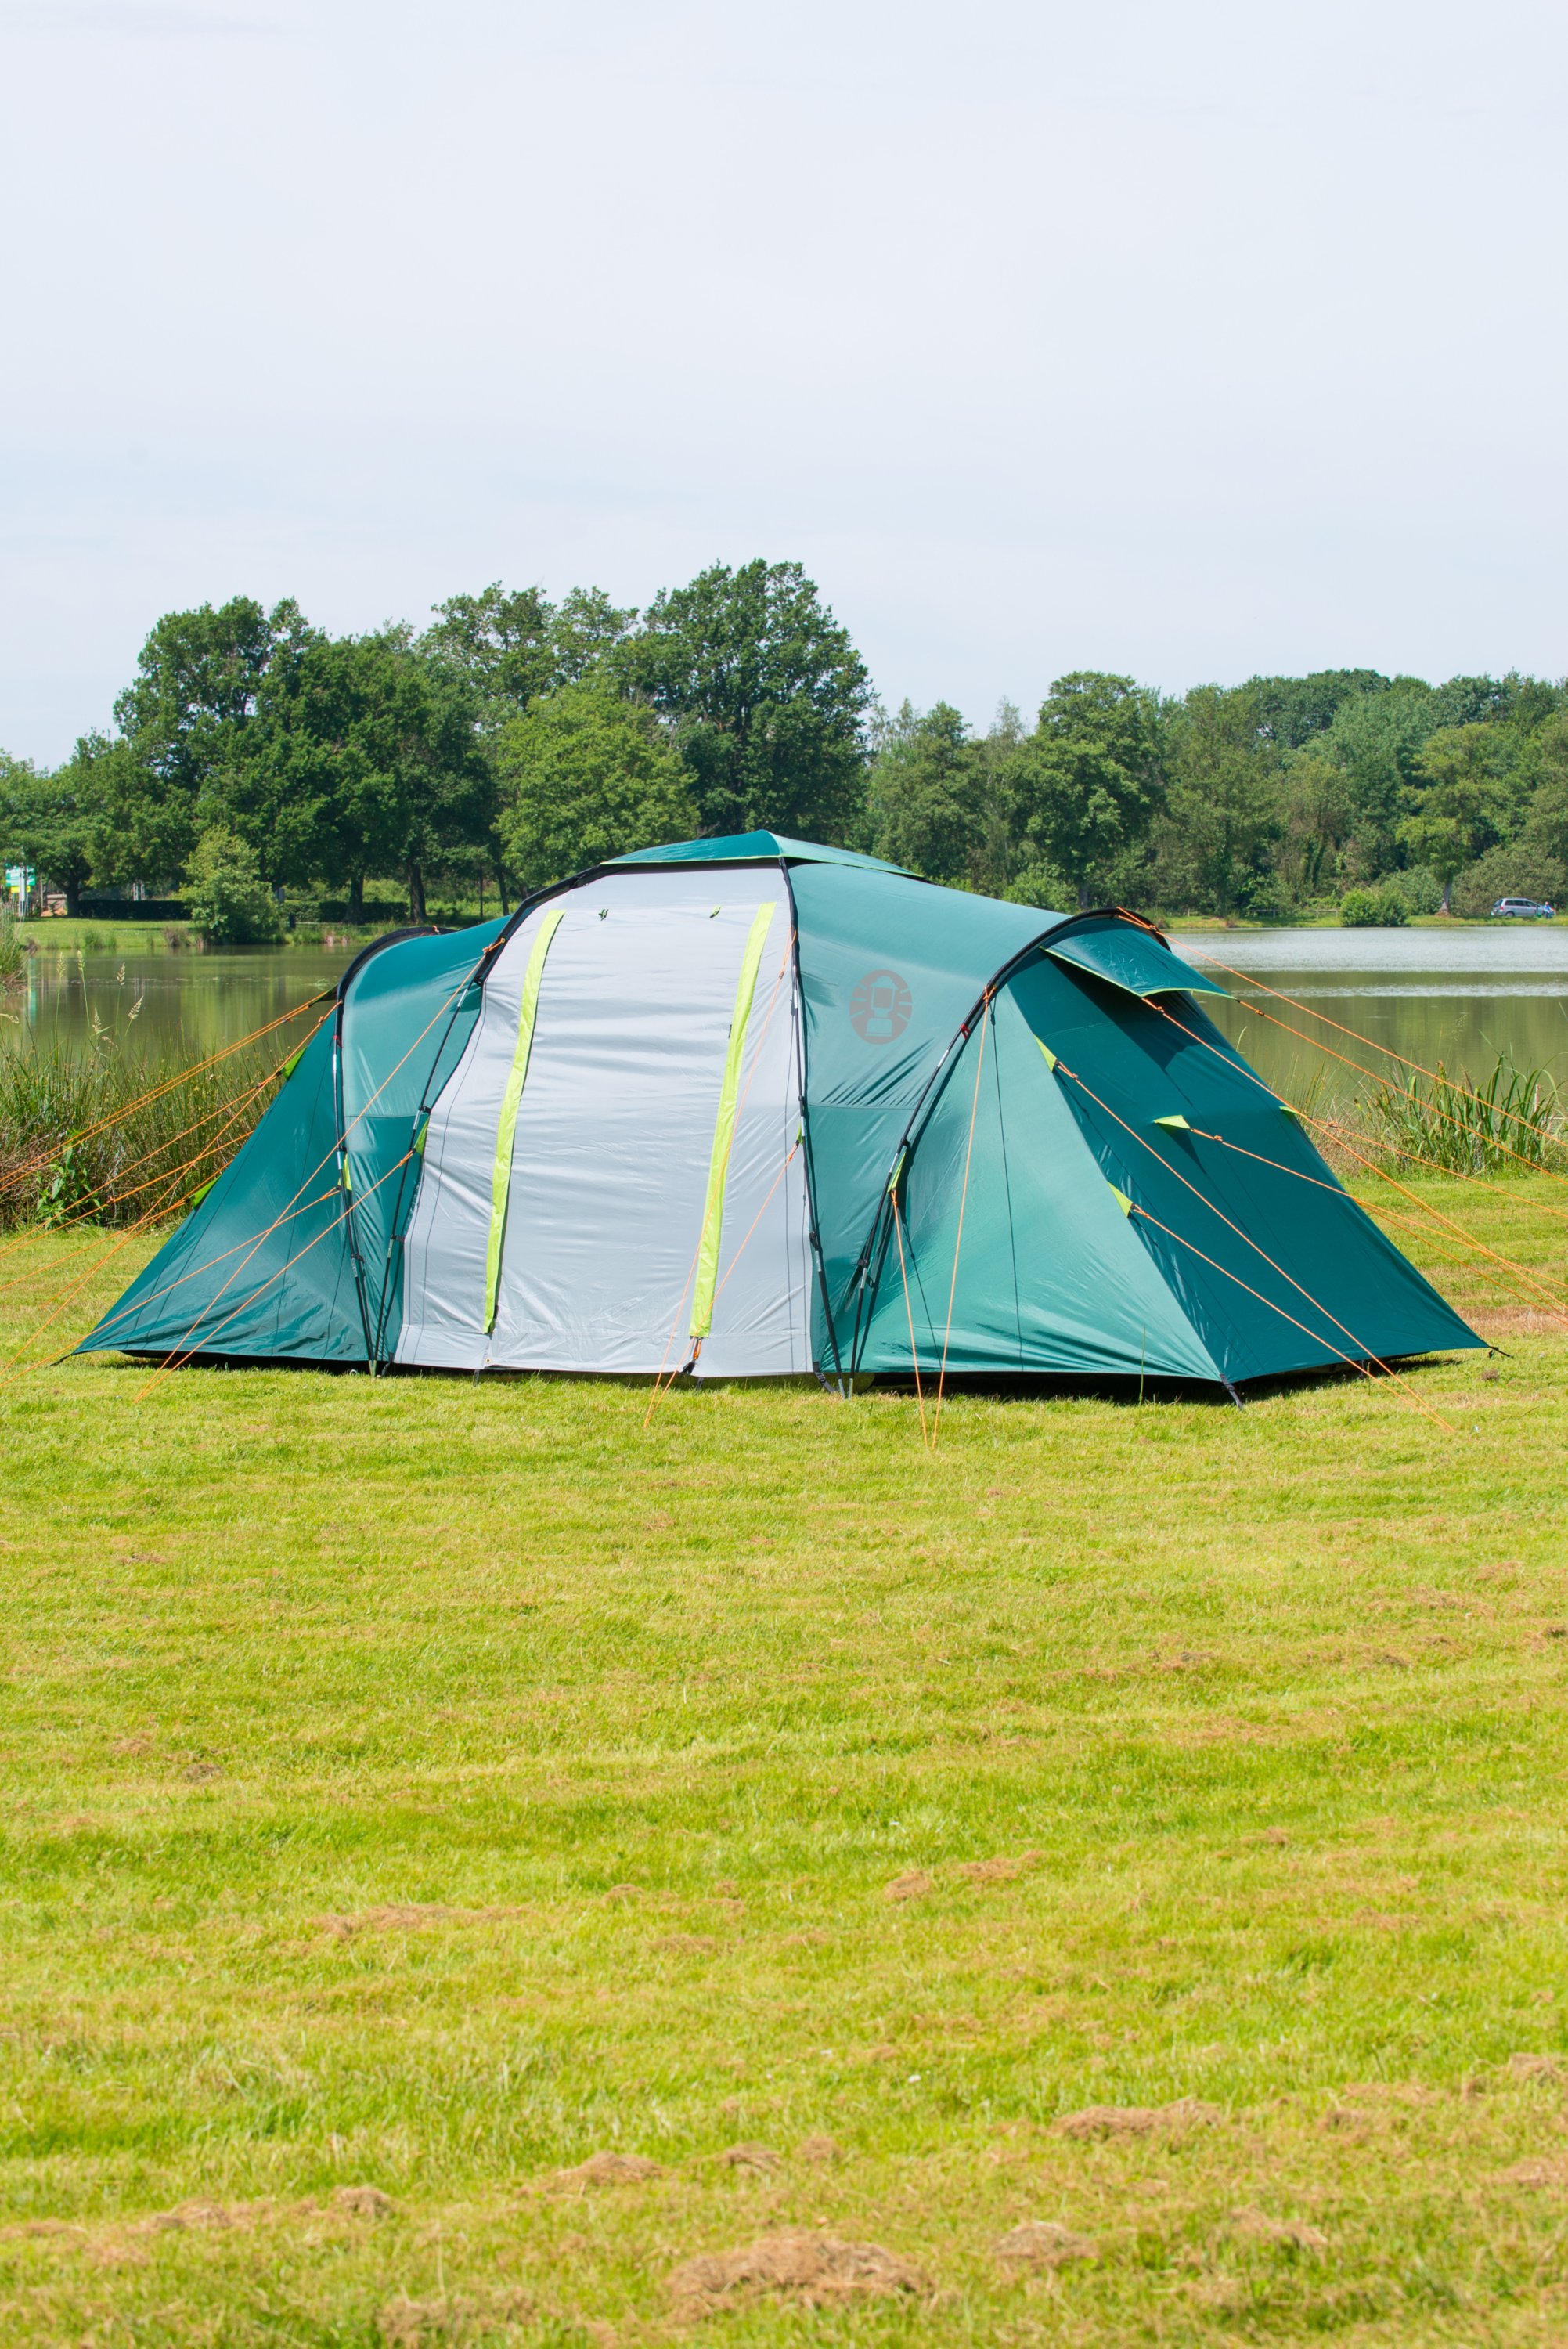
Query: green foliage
x=768 y=695
x=108 y=1135
x=1378 y=740
x=231 y=904
x=587 y=774
x=54 y=822
x=1041 y=885
x=1373 y=909
x=1091 y=780
x=1291 y=710
x=1223 y=820
x=13 y=954
x=1519 y=870
x=925 y=795
x=1459 y=765
x=513 y=645
x=369 y=761
x=1505 y=1124
x=1417 y=888
x=187 y=723
x=396 y=758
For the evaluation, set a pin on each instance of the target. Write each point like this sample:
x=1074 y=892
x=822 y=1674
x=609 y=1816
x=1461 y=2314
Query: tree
x=1316 y=813
x=1092 y=780
x=514 y=645
x=231 y=904
x=1452 y=823
x=500 y=640
x=56 y=819
x=1546 y=822
x=510 y=647
x=586 y=775
x=924 y=795
x=1376 y=738
x=767 y=696
x=368 y=760
x=188 y=718
x=1291 y=710
x=1221 y=820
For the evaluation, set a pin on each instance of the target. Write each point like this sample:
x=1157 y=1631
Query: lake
x=1461 y=996
x=161 y=1003
x=1455 y=996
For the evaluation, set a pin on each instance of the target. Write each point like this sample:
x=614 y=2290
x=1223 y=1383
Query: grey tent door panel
x=607 y=1178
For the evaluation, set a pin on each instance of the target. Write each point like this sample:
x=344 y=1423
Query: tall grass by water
x=111 y=1136
x=1503 y=1124
x=13 y=954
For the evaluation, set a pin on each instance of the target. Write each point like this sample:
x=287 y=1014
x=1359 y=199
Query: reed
x=91 y=1137
x=1503 y=1125
x=13 y=954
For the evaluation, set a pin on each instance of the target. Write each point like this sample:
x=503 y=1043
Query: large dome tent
x=757 y=1108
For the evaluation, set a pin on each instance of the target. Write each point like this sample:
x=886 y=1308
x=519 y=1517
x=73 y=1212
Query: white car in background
x=1522 y=909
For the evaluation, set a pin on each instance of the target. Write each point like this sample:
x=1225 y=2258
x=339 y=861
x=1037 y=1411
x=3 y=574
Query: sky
x=1190 y=338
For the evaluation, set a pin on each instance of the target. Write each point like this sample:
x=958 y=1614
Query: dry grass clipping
x=1138 y=2120
x=1257 y=2227
x=604 y=2170
x=813 y=2271
x=1041 y=2243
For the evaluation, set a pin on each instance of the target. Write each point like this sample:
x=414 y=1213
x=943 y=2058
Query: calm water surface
x=158 y=1003
x=1459 y=996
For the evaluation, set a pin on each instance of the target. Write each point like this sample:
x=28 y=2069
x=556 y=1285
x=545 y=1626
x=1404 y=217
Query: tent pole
x=816 y=1237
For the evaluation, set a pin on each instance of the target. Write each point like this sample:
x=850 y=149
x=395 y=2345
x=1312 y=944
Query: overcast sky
x=1189 y=337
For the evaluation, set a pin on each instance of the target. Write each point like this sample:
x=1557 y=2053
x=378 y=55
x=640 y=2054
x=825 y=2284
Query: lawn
x=417 y=1788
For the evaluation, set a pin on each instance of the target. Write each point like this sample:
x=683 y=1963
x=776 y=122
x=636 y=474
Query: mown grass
x=425 y=1784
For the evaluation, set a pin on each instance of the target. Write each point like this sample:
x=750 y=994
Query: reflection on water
x=1461 y=996
x=155 y=1004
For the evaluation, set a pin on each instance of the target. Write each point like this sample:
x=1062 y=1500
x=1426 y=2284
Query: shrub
x=1515 y=872
x=1041 y=885
x=231 y=904
x=1373 y=909
x=1420 y=889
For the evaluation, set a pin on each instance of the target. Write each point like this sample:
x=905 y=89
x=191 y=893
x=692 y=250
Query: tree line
x=515 y=741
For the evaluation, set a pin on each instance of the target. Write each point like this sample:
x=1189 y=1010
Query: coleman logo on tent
x=880 y=1007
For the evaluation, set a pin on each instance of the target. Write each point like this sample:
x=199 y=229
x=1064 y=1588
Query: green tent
x=753 y=1108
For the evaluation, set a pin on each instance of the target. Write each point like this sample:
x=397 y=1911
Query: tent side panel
x=408 y=1014
x=262 y=1266
x=1276 y=1266
x=1045 y=1275
x=889 y=968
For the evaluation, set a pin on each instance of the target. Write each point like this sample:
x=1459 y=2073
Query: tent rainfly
x=753 y=1108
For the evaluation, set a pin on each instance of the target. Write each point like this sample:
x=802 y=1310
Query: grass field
x=425 y=1787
